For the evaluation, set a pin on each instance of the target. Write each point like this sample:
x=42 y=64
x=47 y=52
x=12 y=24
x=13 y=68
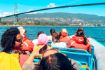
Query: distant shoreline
x=52 y=25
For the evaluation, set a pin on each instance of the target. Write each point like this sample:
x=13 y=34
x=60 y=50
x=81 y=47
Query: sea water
x=98 y=33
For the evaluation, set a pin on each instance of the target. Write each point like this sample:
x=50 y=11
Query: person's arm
x=29 y=64
x=33 y=55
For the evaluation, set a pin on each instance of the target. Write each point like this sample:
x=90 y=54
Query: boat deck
x=99 y=51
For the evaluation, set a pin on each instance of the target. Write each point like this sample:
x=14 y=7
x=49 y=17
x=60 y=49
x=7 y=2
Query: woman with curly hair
x=9 y=59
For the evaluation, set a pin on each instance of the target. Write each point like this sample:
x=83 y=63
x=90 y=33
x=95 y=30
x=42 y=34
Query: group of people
x=63 y=40
x=19 y=51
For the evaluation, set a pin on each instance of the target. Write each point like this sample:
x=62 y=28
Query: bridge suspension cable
x=66 y=6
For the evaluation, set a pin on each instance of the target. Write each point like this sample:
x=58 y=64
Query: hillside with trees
x=57 y=18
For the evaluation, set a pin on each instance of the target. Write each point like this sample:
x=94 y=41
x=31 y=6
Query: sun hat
x=64 y=32
x=22 y=30
x=42 y=39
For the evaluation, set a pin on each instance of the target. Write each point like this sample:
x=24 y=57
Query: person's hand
x=34 y=54
x=35 y=51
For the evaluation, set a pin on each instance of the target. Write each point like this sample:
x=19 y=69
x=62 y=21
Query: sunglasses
x=19 y=40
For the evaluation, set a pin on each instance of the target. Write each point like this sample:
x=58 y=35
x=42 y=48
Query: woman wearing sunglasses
x=9 y=57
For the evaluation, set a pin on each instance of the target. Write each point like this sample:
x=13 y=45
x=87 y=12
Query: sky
x=8 y=7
